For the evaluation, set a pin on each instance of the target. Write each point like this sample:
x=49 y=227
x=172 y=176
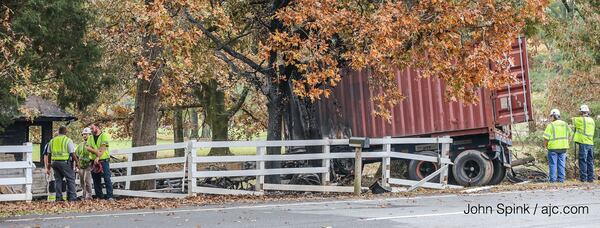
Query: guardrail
x=26 y=166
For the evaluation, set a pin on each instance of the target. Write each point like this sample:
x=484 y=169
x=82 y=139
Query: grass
x=162 y=139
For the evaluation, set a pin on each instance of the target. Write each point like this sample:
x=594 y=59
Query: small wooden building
x=45 y=112
x=17 y=133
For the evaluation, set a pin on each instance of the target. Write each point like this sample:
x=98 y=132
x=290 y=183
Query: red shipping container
x=426 y=110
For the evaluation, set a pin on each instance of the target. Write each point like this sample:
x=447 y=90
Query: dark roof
x=46 y=110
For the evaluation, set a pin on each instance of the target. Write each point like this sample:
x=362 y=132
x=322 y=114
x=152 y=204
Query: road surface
x=542 y=208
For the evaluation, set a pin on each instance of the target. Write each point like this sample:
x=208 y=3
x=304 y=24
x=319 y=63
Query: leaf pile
x=91 y=206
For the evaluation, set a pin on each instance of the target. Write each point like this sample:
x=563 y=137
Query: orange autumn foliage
x=456 y=41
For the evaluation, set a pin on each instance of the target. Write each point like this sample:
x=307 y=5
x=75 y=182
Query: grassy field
x=126 y=143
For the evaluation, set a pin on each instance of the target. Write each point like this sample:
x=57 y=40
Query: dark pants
x=64 y=169
x=586 y=162
x=97 y=177
x=556 y=164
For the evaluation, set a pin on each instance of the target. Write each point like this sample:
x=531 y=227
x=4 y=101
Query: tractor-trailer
x=481 y=131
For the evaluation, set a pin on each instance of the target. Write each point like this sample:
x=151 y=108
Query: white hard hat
x=555 y=112
x=87 y=130
x=584 y=108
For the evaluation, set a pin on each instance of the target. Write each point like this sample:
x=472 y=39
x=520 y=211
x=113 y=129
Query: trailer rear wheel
x=417 y=170
x=499 y=172
x=471 y=168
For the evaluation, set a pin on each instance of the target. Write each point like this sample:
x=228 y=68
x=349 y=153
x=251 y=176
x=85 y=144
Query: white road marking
x=473 y=190
x=411 y=216
x=268 y=206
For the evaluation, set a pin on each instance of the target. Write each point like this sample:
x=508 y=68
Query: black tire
x=417 y=170
x=499 y=172
x=343 y=166
x=471 y=168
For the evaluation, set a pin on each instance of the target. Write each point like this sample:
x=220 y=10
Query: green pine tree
x=58 y=53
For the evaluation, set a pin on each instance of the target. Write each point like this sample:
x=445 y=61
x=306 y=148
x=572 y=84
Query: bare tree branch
x=238 y=104
x=254 y=118
x=227 y=48
x=129 y=116
x=242 y=34
x=252 y=77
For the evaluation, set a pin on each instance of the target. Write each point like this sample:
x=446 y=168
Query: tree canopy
x=571 y=33
x=46 y=52
x=288 y=53
x=456 y=41
x=13 y=76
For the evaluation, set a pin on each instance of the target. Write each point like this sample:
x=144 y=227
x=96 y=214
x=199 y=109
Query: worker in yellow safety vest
x=556 y=141
x=61 y=152
x=85 y=160
x=584 y=142
x=98 y=144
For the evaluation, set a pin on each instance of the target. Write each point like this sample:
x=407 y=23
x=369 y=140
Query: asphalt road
x=571 y=207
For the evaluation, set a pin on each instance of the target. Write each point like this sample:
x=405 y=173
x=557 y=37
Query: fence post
x=192 y=181
x=186 y=155
x=326 y=162
x=357 y=170
x=260 y=165
x=29 y=171
x=386 y=162
x=445 y=153
x=129 y=161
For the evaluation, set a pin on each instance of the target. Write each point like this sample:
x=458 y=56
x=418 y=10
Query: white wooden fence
x=261 y=157
x=9 y=167
x=129 y=164
x=189 y=173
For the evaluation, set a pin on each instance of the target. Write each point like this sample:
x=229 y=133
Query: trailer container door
x=512 y=104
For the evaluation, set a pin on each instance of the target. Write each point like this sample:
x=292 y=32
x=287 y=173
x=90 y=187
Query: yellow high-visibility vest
x=557 y=134
x=59 y=148
x=103 y=139
x=584 y=130
x=83 y=155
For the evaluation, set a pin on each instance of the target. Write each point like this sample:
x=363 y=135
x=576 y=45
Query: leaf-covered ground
x=9 y=209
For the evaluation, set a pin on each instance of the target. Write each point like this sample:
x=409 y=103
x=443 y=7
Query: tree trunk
x=206 y=131
x=216 y=116
x=532 y=126
x=178 y=131
x=301 y=118
x=275 y=108
x=185 y=122
x=147 y=101
x=302 y=122
x=145 y=125
x=220 y=129
x=194 y=123
x=275 y=100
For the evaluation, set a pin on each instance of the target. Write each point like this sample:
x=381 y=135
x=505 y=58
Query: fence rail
x=190 y=174
x=187 y=169
x=130 y=164
x=26 y=166
x=324 y=170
